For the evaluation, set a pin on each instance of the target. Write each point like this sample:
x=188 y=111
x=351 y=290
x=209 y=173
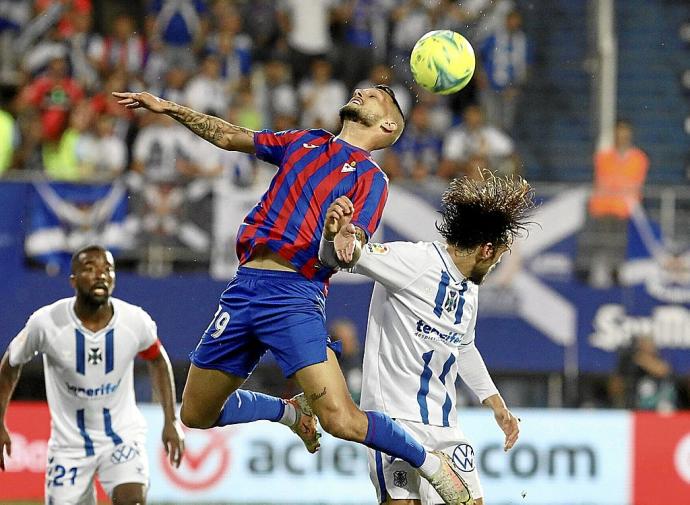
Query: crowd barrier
x=563 y=457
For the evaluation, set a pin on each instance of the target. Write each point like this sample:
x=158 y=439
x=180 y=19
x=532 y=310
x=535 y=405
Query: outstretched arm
x=217 y=131
x=164 y=387
x=9 y=376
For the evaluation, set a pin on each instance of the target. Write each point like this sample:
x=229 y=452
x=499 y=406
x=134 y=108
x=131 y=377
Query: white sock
x=289 y=415
x=430 y=466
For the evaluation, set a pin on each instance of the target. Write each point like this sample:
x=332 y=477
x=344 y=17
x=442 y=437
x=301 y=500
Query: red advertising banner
x=662 y=459
x=29 y=427
x=24 y=477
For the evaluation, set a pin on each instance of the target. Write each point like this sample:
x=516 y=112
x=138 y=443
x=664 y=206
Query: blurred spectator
x=71 y=9
x=102 y=154
x=103 y=102
x=358 y=18
x=179 y=27
x=276 y=93
x=412 y=19
x=321 y=95
x=382 y=74
x=345 y=331
x=206 y=91
x=232 y=46
x=53 y=95
x=173 y=85
x=44 y=22
x=261 y=23
x=244 y=109
x=60 y=159
x=27 y=156
x=417 y=152
x=484 y=17
x=161 y=151
x=123 y=48
x=619 y=177
x=307 y=31
x=81 y=45
x=505 y=59
x=8 y=139
x=14 y=15
x=474 y=139
x=643 y=379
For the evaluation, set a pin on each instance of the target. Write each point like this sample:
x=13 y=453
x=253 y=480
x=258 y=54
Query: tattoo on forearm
x=207 y=127
x=315 y=396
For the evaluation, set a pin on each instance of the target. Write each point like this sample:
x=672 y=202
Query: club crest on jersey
x=400 y=478
x=451 y=302
x=375 y=248
x=95 y=357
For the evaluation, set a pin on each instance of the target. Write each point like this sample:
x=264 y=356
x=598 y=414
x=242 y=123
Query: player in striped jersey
x=421 y=329
x=276 y=301
x=89 y=343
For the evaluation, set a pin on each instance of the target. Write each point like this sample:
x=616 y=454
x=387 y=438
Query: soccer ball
x=442 y=62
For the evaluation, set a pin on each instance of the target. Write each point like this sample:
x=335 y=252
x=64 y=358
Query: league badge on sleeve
x=375 y=248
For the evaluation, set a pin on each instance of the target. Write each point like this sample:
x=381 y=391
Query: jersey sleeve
x=271 y=146
x=473 y=372
x=395 y=265
x=27 y=343
x=148 y=332
x=369 y=199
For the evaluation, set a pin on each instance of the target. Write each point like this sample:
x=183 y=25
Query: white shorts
x=398 y=480
x=70 y=479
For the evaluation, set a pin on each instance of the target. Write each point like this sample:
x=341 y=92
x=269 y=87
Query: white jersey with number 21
x=88 y=375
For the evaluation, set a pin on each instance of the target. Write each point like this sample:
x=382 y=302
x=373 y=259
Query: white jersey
x=88 y=376
x=421 y=328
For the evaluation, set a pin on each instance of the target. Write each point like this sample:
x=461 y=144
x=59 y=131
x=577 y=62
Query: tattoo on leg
x=314 y=396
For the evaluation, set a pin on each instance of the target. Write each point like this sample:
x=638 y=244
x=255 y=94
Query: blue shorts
x=261 y=310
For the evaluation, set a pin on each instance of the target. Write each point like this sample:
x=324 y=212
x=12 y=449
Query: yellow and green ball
x=442 y=61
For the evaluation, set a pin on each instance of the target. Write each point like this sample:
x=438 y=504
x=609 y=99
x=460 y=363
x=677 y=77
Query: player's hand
x=510 y=426
x=5 y=445
x=339 y=214
x=140 y=100
x=173 y=441
x=344 y=243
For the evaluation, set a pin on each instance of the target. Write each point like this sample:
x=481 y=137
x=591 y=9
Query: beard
x=478 y=273
x=354 y=113
x=92 y=300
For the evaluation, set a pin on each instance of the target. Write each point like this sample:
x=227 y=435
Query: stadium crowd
x=259 y=64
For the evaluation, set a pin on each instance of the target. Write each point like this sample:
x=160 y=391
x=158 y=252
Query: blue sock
x=246 y=406
x=385 y=435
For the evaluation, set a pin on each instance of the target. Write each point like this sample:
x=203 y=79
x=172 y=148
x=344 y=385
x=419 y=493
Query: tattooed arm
x=215 y=130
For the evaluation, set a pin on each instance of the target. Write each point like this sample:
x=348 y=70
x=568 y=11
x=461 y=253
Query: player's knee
x=129 y=494
x=193 y=418
x=478 y=501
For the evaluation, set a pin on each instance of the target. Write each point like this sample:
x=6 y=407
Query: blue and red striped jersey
x=314 y=168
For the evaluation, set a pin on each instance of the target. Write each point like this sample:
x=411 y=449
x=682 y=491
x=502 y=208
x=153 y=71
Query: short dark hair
x=75 y=257
x=389 y=91
x=492 y=210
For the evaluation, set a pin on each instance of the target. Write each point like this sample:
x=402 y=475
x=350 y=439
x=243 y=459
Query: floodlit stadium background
x=556 y=320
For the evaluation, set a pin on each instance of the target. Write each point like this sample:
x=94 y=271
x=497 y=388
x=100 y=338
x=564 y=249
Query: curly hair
x=493 y=210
